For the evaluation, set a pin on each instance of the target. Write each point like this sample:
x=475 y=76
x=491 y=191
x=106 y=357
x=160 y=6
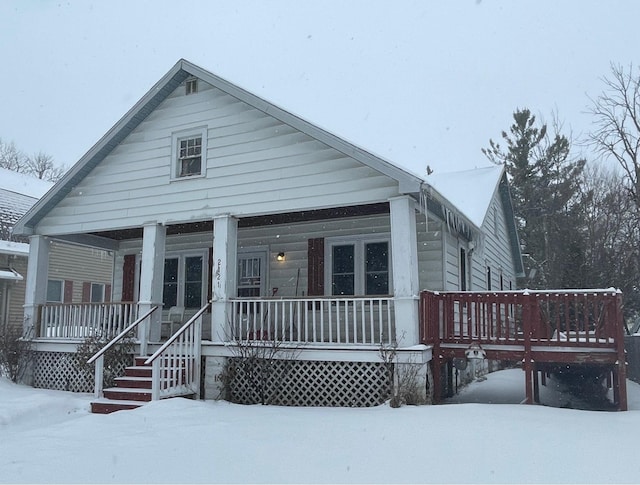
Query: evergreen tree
x=544 y=188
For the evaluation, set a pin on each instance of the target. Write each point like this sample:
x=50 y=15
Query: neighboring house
x=18 y=192
x=205 y=191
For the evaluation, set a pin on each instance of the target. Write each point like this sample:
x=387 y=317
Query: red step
x=130 y=392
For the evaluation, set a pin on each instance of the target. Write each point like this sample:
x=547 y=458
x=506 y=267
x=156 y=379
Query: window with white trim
x=97 y=293
x=184 y=281
x=358 y=266
x=54 y=291
x=189 y=151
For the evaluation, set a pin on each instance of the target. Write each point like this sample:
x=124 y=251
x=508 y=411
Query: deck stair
x=130 y=392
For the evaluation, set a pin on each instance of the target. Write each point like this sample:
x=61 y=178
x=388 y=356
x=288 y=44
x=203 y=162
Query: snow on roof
x=469 y=190
x=14 y=248
x=21 y=183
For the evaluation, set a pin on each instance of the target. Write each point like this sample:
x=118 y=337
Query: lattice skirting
x=56 y=370
x=307 y=383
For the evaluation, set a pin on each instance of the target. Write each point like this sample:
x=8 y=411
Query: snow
x=470 y=191
x=14 y=248
x=51 y=437
x=23 y=184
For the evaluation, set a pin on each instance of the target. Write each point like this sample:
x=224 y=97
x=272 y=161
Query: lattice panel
x=308 y=383
x=55 y=370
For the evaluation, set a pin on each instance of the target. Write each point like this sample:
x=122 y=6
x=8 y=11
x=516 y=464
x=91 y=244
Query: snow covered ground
x=51 y=437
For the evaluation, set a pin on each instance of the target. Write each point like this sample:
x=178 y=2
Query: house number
x=218 y=272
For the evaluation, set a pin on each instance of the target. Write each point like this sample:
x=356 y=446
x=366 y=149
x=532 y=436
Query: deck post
x=151 y=283
x=404 y=257
x=36 y=286
x=527 y=364
x=225 y=242
x=620 y=370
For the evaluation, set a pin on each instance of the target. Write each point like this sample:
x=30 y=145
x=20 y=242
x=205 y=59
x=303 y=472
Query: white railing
x=81 y=320
x=176 y=365
x=334 y=320
x=98 y=358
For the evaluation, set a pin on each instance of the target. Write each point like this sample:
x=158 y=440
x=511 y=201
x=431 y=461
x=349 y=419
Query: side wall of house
x=494 y=252
x=13 y=291
x=80 y=265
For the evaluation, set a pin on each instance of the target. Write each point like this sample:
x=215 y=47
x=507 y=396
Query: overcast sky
x=416 y=82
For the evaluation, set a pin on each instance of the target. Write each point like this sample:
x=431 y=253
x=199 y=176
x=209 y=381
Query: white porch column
x=404 y=257
x=225 y=242
x=37 y=275
x=151 y=282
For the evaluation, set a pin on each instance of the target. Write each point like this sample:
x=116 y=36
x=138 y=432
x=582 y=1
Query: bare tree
x=617 y=124
x=42 y=166
x=11 y=158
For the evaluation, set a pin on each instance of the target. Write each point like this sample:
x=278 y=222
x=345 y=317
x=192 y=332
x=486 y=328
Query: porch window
x=359 y=267
x=54 y=291
x=183 y=281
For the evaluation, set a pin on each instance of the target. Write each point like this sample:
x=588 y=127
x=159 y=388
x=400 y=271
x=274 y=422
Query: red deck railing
x=561 y=326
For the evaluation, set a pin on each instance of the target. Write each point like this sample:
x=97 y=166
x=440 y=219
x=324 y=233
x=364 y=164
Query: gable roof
x=408 y=182
x=471 y=191
x=18 y=193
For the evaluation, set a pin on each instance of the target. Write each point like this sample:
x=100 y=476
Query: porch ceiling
x=267 y=220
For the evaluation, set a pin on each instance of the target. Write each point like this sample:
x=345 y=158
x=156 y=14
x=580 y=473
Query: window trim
x=61 y=300
x=103 y=290
x=179 y=136
x=359 y=242
x=182 y=256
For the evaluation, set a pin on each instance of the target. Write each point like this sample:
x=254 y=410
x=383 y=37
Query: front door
x=252 y=274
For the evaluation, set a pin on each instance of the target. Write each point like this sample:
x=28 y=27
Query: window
x=463 y=269
x=184 y=281
x=97 y=292
x=359 y=267
x=191 y=86
x=54 y=291
x=189 y=148
x=489 y=278
x=189 y=156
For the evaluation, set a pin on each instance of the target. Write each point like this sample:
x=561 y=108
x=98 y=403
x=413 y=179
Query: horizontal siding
x=16 y=290
x=290 y=276
x=80 y=264
x=255 y=164
x=495 y=251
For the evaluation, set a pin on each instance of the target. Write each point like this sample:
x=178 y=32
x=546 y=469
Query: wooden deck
x=541 y=329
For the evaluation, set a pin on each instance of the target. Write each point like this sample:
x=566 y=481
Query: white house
x=204 y=191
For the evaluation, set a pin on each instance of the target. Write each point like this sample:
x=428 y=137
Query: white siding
x=254 y=165
x=290 y=276
x=495 y=251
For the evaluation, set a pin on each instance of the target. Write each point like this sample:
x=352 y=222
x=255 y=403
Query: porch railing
x=81 y=320
x=176 y=364
x=332 y=320
x=567 y=318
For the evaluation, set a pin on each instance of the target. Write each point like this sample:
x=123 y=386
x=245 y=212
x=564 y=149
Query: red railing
x=568 y=318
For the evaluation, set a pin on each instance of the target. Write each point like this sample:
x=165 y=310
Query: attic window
x=189 y=156
x=191 y=86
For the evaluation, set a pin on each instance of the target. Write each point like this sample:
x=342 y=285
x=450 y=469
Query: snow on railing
x=349 y=320
x=82 y=320
x=176 y=364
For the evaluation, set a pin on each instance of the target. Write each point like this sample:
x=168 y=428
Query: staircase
x=131 y=391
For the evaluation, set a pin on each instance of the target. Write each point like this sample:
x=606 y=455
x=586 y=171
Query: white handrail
x=176 y=364
x=98 y=358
